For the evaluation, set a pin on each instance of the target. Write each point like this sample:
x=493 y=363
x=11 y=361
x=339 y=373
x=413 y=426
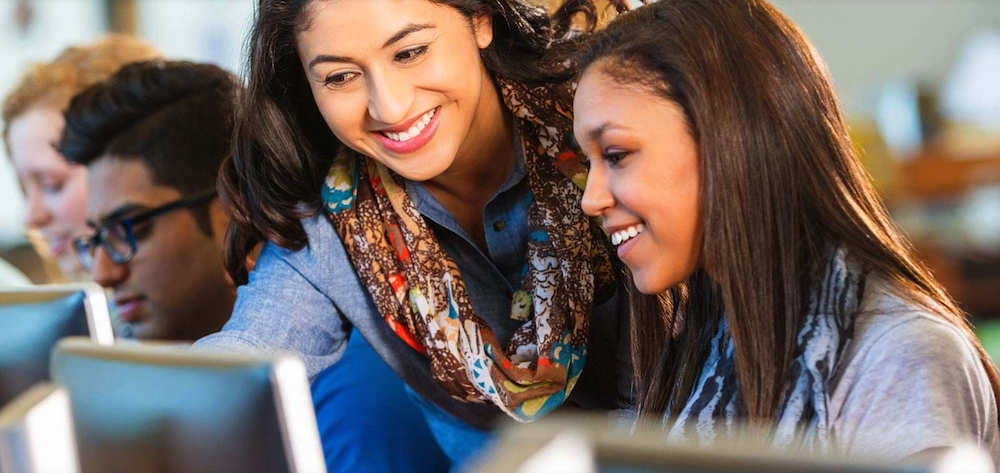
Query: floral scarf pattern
x=419 y=291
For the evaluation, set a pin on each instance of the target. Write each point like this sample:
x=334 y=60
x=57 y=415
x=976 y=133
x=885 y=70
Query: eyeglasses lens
x=119 y=242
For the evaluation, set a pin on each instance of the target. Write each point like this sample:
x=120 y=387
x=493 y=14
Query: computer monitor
x=36 y=432
x=167 y=409
x=589 y=444
x=33 y=319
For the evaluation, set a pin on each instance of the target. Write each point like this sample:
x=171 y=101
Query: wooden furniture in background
x=933 y=174
x=935 y=178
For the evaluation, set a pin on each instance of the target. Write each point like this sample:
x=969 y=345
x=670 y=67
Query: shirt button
x=499 y=225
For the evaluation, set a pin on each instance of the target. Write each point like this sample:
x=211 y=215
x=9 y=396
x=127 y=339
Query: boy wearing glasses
x=153 y=138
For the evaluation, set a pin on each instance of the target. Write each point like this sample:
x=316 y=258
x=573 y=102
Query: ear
x=220 y=220
x=482 y=27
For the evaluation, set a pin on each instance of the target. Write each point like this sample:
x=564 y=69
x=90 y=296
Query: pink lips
x=128 y=308
x=58 y=247
x=413 y=144
x=625 y=247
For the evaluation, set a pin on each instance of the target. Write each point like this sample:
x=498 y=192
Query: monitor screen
x=33 y=319
x=566 y=443
x=166 y=409
x=36 y=432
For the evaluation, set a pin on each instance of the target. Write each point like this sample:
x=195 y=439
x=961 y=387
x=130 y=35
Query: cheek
x=344 y=113
x=685 y=227
x=671 y=207
x=72 y=202
x=453 y=69
x=162 y=267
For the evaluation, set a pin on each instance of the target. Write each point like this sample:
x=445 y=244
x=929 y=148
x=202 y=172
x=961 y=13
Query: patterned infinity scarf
x=803 y=419
x=419 y=291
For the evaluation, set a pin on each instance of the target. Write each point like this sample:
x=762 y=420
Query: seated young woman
x=772 y=286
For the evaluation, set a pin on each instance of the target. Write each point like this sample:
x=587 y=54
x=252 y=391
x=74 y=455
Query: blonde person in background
x=56 y=190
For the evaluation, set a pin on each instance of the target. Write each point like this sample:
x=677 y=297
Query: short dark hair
x=175 y=116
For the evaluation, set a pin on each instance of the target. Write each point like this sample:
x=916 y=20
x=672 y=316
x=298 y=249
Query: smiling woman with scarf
x=772 y=286
x=409 y=166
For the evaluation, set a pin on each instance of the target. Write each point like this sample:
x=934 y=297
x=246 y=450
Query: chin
x=649 y=281
x=644 y=283
x=420 y=169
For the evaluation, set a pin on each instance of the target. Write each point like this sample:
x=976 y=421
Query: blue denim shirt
x=306 y=301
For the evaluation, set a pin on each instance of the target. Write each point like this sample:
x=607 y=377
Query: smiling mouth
x=414 y=130
x=626 y=234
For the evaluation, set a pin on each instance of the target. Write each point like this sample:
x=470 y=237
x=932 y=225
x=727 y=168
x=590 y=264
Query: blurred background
x=919 y=81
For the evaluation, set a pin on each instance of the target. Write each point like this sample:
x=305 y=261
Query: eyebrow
x=411 y=28
x=408 y=30
x=118 y=212
x=595 y=134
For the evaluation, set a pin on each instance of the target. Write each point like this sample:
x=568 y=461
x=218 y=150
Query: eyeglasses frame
x=86 y=256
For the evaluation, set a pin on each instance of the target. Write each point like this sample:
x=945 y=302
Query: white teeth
x=414 y=130
x=622 y=236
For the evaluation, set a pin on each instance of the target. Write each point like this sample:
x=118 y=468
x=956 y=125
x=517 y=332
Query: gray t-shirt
x=910 y=381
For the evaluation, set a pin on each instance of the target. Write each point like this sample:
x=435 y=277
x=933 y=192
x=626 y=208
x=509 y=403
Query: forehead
x=33 y=135
x=343 y=26
x=602 y=99
x=114 y=182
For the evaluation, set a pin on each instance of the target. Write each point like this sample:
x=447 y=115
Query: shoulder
x=909 y=369
x=322 y=262
x=894 y=325
x=324 y=245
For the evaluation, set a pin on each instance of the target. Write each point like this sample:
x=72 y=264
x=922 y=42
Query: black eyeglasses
x=117 y=236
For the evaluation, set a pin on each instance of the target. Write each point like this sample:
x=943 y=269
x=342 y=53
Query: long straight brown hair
x=781 y=182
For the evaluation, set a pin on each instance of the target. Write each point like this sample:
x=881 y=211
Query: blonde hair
x=55 y=83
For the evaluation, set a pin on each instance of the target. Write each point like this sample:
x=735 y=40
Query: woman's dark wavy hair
x=283 y=147
x=780 y=184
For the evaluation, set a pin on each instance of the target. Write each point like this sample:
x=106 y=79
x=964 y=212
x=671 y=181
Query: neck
x=484 y=160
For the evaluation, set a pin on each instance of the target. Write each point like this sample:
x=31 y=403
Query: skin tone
x=55 y=190
x=644 y=178
x=174 y=287
x=375 y=76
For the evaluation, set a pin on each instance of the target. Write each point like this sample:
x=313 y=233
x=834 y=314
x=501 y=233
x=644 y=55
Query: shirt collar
x=429 y=206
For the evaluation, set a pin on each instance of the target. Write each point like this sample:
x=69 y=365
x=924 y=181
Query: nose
x=389 y=98
x=37 y=214
x=597 y=198
x=105 y=271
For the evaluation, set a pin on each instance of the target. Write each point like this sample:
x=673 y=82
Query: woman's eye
x=340 y=79
x=411 y=54
x=614 y=157
x=51 y=187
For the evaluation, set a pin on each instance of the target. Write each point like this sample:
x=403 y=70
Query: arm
x=281 y=309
